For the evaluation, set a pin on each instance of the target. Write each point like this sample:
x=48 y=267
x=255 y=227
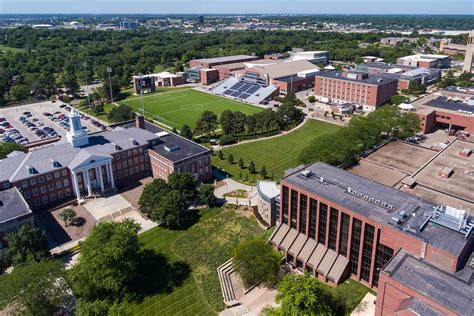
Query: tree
x=206 y=124
x=6 y=148
x=263 y=172
x=19 y=93
x=185 y=183
x=206 y=195
x=241 y=163
x=220 y=155
x=152 y=194
x=302 y=295
x=108 y=261
x=121 y=113
x=399 y=99
x=171 y=210
x=257 y=262
x=68 y=215
x=226 y=140
x=37 y=288
x=178 y=66
x=252 y=167
x=174 y=131
x=227 y=122
x=27 y=244
x=230 y=159
x=186 y=132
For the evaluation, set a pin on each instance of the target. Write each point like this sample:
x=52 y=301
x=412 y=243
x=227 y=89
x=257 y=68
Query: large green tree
x=6 y=148
x=108 y=262
x=37 y=288
x=206 y=195
x=257 y=262
x=27 y=244
x=185 y=183
x=171 y=211
x=152 y=194
x=186 y=132
x=206 y=124
x=121 y=113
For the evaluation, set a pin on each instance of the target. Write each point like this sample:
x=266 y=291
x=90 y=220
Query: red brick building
x=334 y=224
x=369 y=91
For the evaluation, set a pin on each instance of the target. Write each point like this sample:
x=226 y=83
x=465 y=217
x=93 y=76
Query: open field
x=203 y=247
x=184 y=106
x=276 y=154
x=11 y=49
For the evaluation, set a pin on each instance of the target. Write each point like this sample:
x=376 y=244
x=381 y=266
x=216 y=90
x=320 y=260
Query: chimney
x=140 y=122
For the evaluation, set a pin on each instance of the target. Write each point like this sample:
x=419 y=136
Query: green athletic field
x=184 y=106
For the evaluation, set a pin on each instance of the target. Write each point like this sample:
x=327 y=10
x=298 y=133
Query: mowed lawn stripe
x=176 y=108
x=276 y=154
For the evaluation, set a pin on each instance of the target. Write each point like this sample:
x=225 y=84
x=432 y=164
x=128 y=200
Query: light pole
x=141 y=91
x=109 y=71
x=87 y=86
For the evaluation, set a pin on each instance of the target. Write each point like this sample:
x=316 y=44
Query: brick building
x=369 y=91
x=334 y=224
x=14 y=212
x=88 y=163
x=426 y=61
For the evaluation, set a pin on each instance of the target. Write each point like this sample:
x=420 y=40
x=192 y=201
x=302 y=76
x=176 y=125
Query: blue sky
x=240 y=6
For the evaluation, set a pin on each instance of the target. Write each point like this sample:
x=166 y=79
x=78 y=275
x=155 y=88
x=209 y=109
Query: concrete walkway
x=229 y=185
x=366 y=307
x=253 y=302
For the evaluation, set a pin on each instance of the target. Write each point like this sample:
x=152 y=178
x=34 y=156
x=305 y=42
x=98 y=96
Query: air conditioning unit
x=306 y=173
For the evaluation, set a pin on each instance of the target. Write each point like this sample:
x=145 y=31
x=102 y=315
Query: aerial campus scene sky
x=240 y=6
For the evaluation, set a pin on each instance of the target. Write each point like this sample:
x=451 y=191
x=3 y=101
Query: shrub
x=312 y=98
x=226 y=140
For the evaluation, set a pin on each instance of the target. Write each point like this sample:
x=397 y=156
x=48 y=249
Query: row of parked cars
x=84 y=117
x=37 y=127
x=9 y=134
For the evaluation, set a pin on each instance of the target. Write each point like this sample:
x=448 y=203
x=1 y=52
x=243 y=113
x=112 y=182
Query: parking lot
x=33 y=122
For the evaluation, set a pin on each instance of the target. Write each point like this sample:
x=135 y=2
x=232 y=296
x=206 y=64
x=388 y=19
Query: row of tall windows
x=313 y=212
x=303 y=207
x=367 y=252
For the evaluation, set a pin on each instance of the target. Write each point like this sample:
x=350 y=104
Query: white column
x=75 y=186
x=111 y=173
x=101 y=178
x=87 y=181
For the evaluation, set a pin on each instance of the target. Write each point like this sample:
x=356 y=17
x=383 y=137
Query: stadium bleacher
x=244 y=90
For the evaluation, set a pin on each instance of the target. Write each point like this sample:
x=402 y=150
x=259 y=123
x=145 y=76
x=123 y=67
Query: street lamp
x=109 y=71
x=87 y=86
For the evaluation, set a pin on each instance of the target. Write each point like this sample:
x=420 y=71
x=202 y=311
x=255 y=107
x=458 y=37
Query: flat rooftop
x=377 y=202
x=444 y=103
x=440 y=287
x=12 y=205
x=395 y=161
x=225 y=59
x=378 y=79
x=186 y=148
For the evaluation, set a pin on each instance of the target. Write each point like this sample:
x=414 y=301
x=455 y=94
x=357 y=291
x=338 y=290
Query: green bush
x=227 y=140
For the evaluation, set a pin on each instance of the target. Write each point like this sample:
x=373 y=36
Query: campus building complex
x=369 y=91
x=379 y=224
x=87 y=163
x=425 y=61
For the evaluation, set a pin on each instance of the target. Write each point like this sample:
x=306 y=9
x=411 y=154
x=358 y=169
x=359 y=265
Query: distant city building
x=128 y=25
x=469 y=58
x=314 y=57
x=42 y=26
x=394 y=41
x=426 y=61
x=450 y=49
x=200 y=19
x=368 y=91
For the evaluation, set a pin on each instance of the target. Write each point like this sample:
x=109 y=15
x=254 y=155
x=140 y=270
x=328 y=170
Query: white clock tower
x=77 y=136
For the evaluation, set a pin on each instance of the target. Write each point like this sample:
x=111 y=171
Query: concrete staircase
x=225 y=271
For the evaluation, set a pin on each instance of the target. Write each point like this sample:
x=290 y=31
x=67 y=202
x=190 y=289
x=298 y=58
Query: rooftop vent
x=306 y=173
x=31 y=170
x=1 y=203
x=55 y=163
x=400 y=217
x=117 y=147
x=134 y=142
x=171 y=147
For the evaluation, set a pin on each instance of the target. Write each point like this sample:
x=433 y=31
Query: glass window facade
x=367 y=252
x=303 y=211
x=382 y=256
x=284 y=205
x=293 y=209
x=313 y=213
x=344 y=231
x=333 y=218
x=323 y=217
x=355 y=243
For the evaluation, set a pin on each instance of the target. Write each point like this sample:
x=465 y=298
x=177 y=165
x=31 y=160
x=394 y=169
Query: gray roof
x=439 y=286
x=225 y=59
x=443 y=103
x=187 y=148
x=13 y=205
x=335 y=187
x=371 y=79
x=422 y=308
x=100 y=144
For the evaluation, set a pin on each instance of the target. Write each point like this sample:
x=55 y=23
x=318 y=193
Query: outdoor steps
x=224 y=271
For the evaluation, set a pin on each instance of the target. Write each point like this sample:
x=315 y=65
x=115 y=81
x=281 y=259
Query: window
x=323 y=214
x=37 y=202
x=129 y=153
x=125 y=172
x=26 y=194
x=66 y=182
x=33 y=181
x=50 y=187
x=134 y=151
x=293 y=208
x=49 y=177
x=343 y=239
x=41 y=179
x=57 y=174
x=303 y=207
x=355 y=243
x=313 y=206
x=60 y=194
x=124 y=164
x=382 y=256
x=68 y=192
x=58 y=185
x=35 y=192
x=24 y=184
x=43 y=189
x=367 y=252
x=333 y=218
x=284 y=205
x=53 y=197
x=45 y=199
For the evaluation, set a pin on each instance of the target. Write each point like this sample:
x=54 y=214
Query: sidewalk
x=229 y=185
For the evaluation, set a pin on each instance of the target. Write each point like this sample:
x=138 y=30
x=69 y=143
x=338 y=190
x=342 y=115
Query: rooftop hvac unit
x=365 y=197
x=306 y=173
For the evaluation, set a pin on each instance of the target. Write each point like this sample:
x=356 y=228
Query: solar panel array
x=242 y=90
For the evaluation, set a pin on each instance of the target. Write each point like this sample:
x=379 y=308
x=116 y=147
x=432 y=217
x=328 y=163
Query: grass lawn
x=204 y=246
x=184 y=106
x=276 y=154
x=350 y=293
x=11 y=49
x=102 y=116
